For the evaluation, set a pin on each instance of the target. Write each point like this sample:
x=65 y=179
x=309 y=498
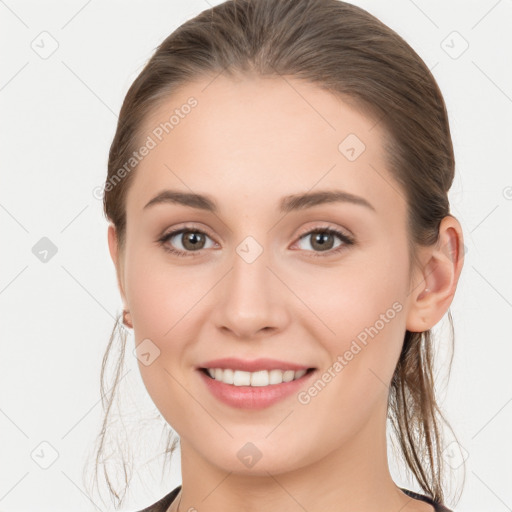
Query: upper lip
x=254 y=365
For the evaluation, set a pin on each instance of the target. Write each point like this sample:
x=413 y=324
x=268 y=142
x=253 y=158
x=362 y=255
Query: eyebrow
x=287 y=204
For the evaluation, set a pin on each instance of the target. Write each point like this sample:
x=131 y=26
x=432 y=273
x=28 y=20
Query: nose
x=252 y=299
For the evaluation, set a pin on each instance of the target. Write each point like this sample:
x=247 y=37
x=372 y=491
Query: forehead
x=250 y=138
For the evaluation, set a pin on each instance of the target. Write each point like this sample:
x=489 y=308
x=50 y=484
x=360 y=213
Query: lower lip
x=257 y=397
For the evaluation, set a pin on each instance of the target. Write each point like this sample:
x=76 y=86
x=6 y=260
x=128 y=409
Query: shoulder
x=438 y=507
x=163 y=504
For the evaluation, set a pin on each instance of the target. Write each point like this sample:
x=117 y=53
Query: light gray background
x=58 y=116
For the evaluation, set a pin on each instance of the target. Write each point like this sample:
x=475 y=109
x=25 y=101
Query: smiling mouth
x=260 y=378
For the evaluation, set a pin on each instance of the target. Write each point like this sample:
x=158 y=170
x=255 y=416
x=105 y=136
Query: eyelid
x=185 y=227
x=327 y=226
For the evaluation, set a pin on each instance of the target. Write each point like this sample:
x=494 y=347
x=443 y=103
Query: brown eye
x=322 y=240
x=185 y=241
x=192 y=240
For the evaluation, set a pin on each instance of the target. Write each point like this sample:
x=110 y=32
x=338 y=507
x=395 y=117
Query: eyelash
x=346 y=239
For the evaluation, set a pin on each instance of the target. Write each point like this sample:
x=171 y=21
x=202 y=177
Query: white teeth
x=255 y=379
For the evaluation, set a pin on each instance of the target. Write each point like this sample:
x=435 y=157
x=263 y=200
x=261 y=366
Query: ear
x=435 y=283
x=115 y=254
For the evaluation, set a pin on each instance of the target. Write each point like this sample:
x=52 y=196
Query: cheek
x=348 y=298
x=357 y=313
x=162 y=299
x=161 y=294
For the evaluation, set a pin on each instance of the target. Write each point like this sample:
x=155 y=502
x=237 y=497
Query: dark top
x=163 y=504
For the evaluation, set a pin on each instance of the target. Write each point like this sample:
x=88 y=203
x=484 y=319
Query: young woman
x=280 y=227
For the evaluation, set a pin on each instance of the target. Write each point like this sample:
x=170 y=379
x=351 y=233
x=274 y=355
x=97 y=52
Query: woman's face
x=252 y=282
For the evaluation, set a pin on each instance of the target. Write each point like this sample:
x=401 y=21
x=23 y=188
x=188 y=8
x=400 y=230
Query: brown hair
x=350 y=53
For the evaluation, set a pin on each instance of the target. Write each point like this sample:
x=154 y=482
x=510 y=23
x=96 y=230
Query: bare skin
x=248 y=143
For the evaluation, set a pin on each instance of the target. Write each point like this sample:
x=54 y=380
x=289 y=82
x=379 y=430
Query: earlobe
x=435 y=288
